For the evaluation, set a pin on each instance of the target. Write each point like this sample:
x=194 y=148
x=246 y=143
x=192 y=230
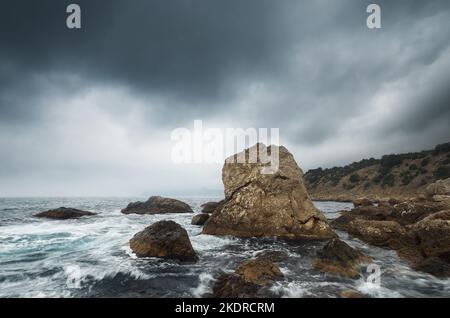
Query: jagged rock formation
x=270 y=205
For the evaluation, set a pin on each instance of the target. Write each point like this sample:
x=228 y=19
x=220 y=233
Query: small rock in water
x=339 y=258
x=157 y=205
x=64 y=214
x=251 y=279
x=200 y=219
x=164 y=239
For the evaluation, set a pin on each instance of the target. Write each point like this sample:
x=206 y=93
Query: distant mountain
x=392 y=176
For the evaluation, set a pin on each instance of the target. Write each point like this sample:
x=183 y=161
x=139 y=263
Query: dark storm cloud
x=142 y=67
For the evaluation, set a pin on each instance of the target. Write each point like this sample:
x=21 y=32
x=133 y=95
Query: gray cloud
x=337 y=90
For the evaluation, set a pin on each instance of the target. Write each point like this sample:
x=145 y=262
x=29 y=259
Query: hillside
x=392 y=176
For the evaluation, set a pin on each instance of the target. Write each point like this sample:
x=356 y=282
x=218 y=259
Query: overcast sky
x=91 y=111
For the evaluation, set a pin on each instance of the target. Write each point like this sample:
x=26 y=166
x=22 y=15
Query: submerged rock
x=157 y=205
x=164 y=239
x=64 y=214
x=200 y=219
x=266 y=205
x=340 y=259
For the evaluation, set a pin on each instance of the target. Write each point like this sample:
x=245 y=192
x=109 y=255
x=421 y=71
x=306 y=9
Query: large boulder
x=164 y=239
x=64 y=214
x=339 y=258
x=157 y=205
x=266 y=205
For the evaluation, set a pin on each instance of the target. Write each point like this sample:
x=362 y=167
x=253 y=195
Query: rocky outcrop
x=417 y=229
x=64 y=214
x=338 y=258
x=440 y=187
x=266 y=205
x=164 y=239
x=200 y=219
x=157 y=205
x=249 y=280
x=209 y=207
x=433 y=235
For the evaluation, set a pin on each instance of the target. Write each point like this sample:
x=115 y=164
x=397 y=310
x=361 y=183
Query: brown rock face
x=340 y=259
x=267 y=205
x=200 y=219
x=63 y=214
x=164 y=239
x=156 y=205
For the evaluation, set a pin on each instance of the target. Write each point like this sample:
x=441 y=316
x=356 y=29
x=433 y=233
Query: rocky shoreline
x=278 y=206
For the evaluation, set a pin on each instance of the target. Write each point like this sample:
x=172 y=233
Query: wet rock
x=234 y=286
x=267 y=205
x=200 y=219
x=164 y=239
x=64 y=214
x=374 y=213
x=273 y=256
x=251 y=279
x=362 y=202
x=259 y=271
x=339 y=258
x=157 y=205
x=379 y=233
x=209 y=207
x=434 y=266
